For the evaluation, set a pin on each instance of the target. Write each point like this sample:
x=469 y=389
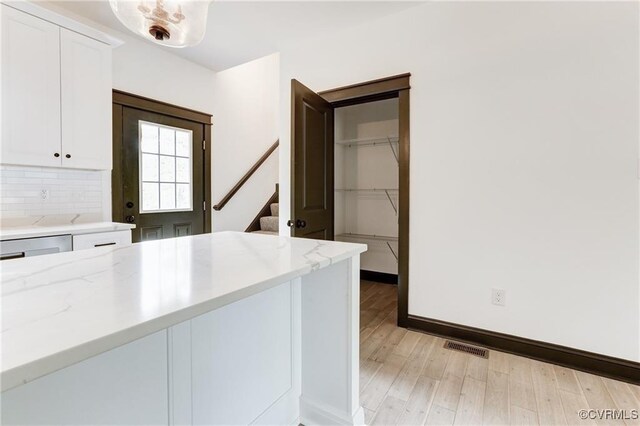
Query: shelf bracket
x=393 y=150
x=395 y=209
x=392 y=252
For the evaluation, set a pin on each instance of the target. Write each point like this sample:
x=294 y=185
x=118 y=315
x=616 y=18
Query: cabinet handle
x=57 y=154
x=104 y=244
x=68 y=155
x=7 y=256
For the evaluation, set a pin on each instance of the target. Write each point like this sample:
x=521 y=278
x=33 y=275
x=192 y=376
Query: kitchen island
x=225 y=328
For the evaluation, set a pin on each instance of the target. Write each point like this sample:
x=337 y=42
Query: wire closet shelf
x=385 y=190
x=383 y=238
x=390 y=141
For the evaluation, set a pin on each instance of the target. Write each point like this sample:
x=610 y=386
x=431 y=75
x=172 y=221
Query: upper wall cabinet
x=30 y=90
x=56 y=95
x=86 y=102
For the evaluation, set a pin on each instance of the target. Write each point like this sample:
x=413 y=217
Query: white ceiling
x=240 y=31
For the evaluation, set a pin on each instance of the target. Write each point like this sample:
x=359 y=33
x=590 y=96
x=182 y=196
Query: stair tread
x=269 y=223
x=275 y=209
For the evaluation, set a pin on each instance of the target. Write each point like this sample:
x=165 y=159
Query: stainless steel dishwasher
x=27 y=247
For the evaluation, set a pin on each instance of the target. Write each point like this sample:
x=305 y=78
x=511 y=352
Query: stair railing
x=246 y=177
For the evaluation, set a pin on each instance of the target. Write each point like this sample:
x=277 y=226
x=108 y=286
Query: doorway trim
x=603 y=365
x=397 y=86
x=122 y=99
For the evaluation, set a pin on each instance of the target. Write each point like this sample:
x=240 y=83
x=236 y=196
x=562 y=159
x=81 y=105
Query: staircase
x=266 y=222
x=269 y=224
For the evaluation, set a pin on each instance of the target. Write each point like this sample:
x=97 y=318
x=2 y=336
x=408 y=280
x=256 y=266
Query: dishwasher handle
x=8 y=256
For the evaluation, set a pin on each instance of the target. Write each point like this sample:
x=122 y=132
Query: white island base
x=279 y=345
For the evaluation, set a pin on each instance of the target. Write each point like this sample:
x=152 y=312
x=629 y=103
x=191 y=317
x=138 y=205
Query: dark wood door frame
x=397 y=86
x=123 y=99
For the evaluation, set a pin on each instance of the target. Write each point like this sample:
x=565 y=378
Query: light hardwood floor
x=408 y=378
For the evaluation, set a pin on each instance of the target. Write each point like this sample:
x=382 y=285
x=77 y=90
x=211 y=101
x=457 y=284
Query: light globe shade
x=173 y=23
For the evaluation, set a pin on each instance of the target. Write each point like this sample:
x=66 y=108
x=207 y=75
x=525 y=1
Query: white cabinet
x=240 y=358
x=86 y=101
x=127 y=385
x=30 y=90
x=56 y=95
x=101 y=239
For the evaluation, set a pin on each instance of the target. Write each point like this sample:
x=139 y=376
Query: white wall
x=245 y=126
x=143 y=69
x=524 y=147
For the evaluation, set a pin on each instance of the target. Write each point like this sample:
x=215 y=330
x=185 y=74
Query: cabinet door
x=30 y=90
x=86 y=102
x=127 y=385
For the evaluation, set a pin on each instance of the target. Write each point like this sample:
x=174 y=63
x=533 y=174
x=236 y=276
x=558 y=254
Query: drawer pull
x=105 y=244
x=8 y=256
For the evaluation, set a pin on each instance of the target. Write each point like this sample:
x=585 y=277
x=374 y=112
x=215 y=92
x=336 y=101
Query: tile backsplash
x=40 y=191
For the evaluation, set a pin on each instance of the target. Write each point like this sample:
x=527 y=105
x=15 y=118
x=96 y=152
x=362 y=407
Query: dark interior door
x=312 y=187
x=163 y=175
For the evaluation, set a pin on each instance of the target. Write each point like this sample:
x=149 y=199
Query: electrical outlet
x=44 y=194
x=498 y=296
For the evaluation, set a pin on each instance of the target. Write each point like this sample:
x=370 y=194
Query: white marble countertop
x=32 y=231
x=63 y=308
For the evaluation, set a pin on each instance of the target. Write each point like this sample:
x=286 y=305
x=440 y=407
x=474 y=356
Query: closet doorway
x=355 y=186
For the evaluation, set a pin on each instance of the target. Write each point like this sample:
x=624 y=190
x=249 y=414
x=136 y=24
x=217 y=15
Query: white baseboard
x=312 y=413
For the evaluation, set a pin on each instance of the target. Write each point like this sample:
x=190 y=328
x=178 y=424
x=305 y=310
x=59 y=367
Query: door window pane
x=167 y=196
x=150 y=196
x=165 y=168
x=183 y=144
x=183 y=195
x=148 y=138
x=149 y=168
x=167 y=141
x=183 y=170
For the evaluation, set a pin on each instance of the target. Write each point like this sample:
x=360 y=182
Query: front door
x=312 y=187
x=163 y=174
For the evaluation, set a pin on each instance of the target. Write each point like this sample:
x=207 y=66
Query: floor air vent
x=468 y=349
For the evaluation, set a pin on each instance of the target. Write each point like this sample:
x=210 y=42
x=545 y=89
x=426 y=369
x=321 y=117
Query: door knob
x=68 y=155
x=130 y=219
x=129 y=204
x=299 y=223
x=57 y=154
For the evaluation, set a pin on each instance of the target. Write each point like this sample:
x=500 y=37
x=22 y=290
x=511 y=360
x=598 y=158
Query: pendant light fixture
x=173 y=23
